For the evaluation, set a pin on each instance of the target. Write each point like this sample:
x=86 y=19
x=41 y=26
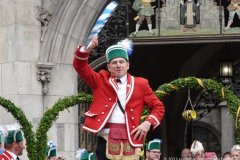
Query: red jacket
x=139 y=94
x=6 y=156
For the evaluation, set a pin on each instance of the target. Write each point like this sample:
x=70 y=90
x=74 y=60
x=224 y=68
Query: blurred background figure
x=210 y=156
x=197 y=150
x=1 y=140
x=153 y=150
x=13 y=143
x=235 y=152
x=227 y=156
x=82 y=154
x=186 y=154
x=51 y=152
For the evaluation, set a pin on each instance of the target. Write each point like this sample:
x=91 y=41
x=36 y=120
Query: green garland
x=36 y=145
x=23 y=121
x=51 y=116
x=36 y=142
x=208 y=85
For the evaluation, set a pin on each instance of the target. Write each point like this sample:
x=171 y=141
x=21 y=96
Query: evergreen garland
x=36 y=142
x=207 y=85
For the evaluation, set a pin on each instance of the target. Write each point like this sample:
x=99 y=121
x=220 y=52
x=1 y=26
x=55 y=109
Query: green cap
x=116 y=51
x=51 y=152
x=154 y=144
x=84 y=155
x=14 y=136
x=91 y=156
x=1 y=137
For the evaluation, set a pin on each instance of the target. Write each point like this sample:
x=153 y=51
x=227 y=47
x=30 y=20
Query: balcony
x=173 y=22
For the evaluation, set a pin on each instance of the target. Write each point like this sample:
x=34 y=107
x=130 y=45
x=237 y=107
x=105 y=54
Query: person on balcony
x=145 y=11
x=233 y=8
x=189 y=13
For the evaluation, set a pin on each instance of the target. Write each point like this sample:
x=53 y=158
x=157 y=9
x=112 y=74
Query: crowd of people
x=197 y=152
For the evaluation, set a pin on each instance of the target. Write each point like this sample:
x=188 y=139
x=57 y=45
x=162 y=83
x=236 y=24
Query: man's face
x=186 y=154
x=19 y=147
x=235 y=155
x=199 y=156
x=118 y=67
x=153 y=154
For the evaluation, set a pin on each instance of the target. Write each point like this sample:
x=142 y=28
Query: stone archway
x=208 y=135
x=70 y=25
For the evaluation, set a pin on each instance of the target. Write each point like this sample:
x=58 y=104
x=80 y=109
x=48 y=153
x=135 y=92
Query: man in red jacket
x=13 y=144
x=118 y=103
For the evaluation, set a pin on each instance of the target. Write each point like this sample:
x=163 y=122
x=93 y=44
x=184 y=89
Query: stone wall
x=19 y=50
x=24 y=50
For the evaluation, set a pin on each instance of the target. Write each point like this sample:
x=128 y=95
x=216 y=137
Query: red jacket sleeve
x=80 y=64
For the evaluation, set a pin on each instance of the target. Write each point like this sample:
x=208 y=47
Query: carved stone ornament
x=44 y=75
x=44 y=17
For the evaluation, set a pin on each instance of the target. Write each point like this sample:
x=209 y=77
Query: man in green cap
x=153 y=150
x=51 y=153
x=82 y=154
x=13 y=144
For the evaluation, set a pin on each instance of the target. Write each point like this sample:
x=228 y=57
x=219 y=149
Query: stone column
x=19 y=51
x=228 y=129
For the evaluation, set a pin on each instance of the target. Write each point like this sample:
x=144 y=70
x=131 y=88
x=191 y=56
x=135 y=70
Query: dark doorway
x=164 y=63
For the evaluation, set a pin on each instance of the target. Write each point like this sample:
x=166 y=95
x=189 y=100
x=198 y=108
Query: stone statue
x=189 y=13
x=145 y=11
x=233 y=8
x=44 y=17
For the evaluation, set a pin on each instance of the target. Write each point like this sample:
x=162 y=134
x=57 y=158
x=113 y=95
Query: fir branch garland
x=19 y=115
x=208 y=85
x=36 y=142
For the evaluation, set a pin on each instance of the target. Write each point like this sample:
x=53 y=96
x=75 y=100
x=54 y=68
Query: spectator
x=1 y=142
x=153 y=150
x=227 y=156
x=51 y=152
x=82 y=154
x=186 y=154
x=13 y=144
x=197 y=150
x=235 y=152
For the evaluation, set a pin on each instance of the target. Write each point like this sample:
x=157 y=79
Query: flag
x=101 y=21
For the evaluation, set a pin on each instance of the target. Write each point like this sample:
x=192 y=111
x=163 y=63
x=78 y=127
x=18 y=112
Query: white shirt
x=117 y=115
